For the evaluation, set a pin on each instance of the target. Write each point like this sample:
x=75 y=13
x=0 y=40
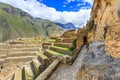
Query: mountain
x=50 y=28
x=68 y=26
x=16 y=23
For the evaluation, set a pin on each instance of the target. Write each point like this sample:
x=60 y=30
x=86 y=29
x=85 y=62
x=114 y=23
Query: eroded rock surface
x=97 y=65
x=112 y=41
x=104 y=25
x=81 y=38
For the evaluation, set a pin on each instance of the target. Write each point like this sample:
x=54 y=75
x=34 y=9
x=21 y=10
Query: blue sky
x=63 y=11
x=66 y=5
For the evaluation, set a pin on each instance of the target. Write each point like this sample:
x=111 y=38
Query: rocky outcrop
x=104 y=25
x=16 y=12
x=97 y=65
x=103 y=39
x=81 y=38
x=112 y=41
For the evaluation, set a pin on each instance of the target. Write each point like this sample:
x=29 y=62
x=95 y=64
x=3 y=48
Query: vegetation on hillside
x=16 y=23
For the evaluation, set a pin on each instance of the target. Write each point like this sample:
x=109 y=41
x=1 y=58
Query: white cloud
x=64 y=5
x=81 y=4
x=89 y=1
x=70 y=1
x=37 y=9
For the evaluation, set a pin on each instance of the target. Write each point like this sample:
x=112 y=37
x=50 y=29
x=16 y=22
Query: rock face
x=112 y=41
x=81 y=38
x=104 y=25
x=102 y=61
x=97 y=65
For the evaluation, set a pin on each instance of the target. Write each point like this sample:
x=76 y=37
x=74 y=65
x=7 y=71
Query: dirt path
x=67 y=72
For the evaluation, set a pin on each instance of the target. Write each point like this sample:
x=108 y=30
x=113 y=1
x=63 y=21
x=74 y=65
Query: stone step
x=42 y=58
x=4 y=51
x=59 y=40
x=18 y=59
x=35 y=64
x=3 y=56
x=8 y=77
x=26 y=46
x=24 y=42
x=46 y=45
x=44 y=75
x=53 y=37
x=65 y=51
x=18 y=75
x=16 y=42
x=29 y=72
x=66 y=45
x=65 y=40
x=24 y=49
x=21 y=54
x=2 y=61
x=4 y=46
x=51 y=53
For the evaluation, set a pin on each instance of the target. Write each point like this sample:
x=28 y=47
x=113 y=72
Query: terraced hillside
x=16 y=23
x=34 y=59
x=14 y=54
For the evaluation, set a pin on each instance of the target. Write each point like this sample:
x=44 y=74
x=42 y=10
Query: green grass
x=43 y=56
x=23 y=74
x=28 y=75
x=69 y=49
x=36 y=65
x=53 y=52
x=51 y=40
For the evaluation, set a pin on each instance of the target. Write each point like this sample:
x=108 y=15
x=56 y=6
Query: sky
x=63 y=11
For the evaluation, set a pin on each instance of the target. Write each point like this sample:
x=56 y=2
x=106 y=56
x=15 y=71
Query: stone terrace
x=34 y=60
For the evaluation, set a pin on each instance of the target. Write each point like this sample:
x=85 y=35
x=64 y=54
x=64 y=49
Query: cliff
x=104 y=25
x=102 y=37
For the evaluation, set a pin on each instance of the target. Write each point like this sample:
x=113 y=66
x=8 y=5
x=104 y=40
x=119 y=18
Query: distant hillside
x=49 y=27
x=68 y=26
x=16 y=23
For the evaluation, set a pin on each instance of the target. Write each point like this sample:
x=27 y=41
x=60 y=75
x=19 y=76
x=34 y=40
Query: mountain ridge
x=67 y=26
x=16 y=23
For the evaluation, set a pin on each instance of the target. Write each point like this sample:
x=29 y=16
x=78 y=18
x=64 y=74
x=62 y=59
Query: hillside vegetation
x=16 y=23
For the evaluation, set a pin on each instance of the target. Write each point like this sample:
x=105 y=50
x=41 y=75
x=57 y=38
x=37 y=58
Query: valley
x=39 y=49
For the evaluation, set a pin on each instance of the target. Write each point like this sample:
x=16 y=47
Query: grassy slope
x=14 y=25
x=50 y=28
